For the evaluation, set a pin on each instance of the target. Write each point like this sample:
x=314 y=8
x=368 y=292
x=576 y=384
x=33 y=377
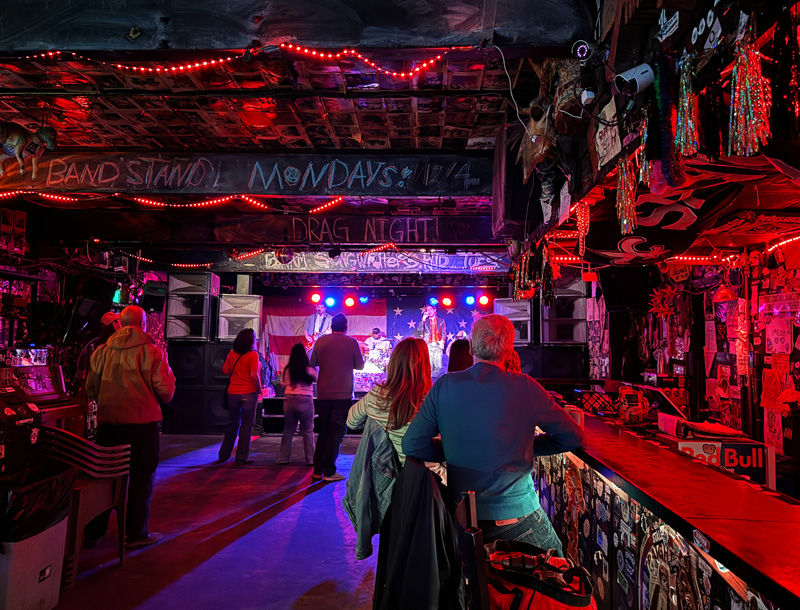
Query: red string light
x=781 y=243
x=566 y=259
x=327 y=206
x=485 y=268
x=249 y=254
x=191 y=265
x=421 y=67
x=382 y=248
x=9 y=194
x=254 y=202
x=139 y=258
x=58 y=197
x=197 y=204
x=208 y=63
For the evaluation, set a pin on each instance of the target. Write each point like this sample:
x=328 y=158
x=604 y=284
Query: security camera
x=634 y=80
x=584 y=50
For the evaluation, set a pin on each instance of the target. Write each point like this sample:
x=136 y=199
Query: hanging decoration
x=713 y=111
x=640 y=157
x=582 y=211
x=326 y=206
x=663 y=301
x=686 y=129
x=667 y=171
x=352 y=53
x=626 y=195
x=786 y=75
x=749 y=126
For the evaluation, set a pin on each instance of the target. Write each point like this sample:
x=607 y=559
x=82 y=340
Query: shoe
x=334 y=477
x=310 y=464
x=151 y=538
x=316 y=477
x=281 y=463
x=243 y=462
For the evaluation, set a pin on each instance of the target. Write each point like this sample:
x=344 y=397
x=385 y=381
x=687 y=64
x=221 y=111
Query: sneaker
x=316 y=476
x=243 y=462
x=334 y=477
x=151 y=538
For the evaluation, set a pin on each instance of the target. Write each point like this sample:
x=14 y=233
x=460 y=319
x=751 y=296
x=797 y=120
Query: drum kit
x=376 y=360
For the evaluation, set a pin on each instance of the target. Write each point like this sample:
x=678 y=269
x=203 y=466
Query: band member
x=377 y=342
x=433 y=331
x=317 y=324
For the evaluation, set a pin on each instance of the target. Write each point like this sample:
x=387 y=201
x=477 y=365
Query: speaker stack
x=200 y=402
x=191 y=300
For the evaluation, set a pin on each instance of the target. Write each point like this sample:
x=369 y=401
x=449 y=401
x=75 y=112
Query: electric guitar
x=314 y=338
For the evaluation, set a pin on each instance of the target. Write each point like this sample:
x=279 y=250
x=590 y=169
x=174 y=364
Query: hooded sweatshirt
x=130 y=378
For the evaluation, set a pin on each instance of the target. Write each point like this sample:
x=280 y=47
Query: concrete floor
x=254 y=537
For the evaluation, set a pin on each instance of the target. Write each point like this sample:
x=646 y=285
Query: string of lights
x=327 y=206
x=382 y=248
x=197 y=204
x=241 y=257
x=783 y=243
x=421 y=67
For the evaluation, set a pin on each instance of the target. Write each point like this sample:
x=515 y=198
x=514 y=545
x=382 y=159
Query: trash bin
x=34 y=506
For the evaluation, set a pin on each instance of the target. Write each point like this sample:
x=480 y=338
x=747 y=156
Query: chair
x=101 y=486
x=472 y=553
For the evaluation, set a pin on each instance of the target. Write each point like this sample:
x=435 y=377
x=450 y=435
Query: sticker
x=601 y=592
x=602 y=541
x=587 y=528
x=701 y=541
x=626 y=512
x=616 y=539
x=32 y=407
x=10 y=412
x=620 y=562
x=630 y=564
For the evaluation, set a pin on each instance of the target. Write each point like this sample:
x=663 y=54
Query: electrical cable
x=511 y=92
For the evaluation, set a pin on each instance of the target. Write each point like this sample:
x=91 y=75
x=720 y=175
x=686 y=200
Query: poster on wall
x=779 y=336
x=773 y=429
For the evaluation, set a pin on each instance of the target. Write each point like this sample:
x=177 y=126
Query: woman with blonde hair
x=394 y=404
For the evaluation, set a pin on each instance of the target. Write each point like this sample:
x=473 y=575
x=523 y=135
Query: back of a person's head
x=408 y=381
x=298 y=365
x=133 y=315
x=339 y=323
x=460 y=356
x=245 y=341
x=492 y=338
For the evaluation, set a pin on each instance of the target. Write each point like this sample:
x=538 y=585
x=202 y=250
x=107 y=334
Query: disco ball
x=284 y=255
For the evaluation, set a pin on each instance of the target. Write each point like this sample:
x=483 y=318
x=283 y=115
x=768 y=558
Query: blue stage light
x=330 y=301
x=433 y=301
x=363 y=300
x=470 y=300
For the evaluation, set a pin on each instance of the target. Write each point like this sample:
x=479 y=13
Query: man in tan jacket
x=130 y=378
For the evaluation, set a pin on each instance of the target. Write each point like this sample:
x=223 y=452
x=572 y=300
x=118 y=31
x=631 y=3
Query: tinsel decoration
x=714 y=124
x=686 y=128
x=640 y=158
x=749 y=128
x=786 y=76
x=671 y=166
x=626 y=195
x=582 y=212
x=548 y=285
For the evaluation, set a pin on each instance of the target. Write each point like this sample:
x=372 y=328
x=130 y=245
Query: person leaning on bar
x=487 y=419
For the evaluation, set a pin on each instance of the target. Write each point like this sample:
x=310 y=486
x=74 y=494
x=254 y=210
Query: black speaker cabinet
x=188 y=362
x=200 y=410
x=554 y=361
x=216 y=353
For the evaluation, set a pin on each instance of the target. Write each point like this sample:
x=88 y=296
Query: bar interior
x=315 y=226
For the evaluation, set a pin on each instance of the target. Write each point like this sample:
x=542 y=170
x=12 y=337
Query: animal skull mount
x=539 y=140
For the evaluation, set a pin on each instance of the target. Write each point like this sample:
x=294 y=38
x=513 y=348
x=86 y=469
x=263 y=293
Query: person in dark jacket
x=487 y=420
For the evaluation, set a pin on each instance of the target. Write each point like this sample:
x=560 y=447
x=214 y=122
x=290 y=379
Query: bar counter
x=746 y=528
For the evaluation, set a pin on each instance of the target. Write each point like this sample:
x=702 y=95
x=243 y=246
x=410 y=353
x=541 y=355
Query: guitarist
x=317 y=324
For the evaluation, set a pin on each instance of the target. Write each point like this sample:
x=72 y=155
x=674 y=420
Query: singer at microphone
x=434 y=332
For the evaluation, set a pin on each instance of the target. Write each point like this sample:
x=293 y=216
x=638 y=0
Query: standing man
x=434 y=332
x=317 y=324
x=337 y=356
x=131 y=378
x=487 y=419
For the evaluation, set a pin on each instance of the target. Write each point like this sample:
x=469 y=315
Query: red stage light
x=447 y=302
x=349 y=302
x=316 y=297
x=484 y=300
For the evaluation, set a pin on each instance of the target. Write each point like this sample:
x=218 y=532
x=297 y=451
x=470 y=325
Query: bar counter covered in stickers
x=658 y=530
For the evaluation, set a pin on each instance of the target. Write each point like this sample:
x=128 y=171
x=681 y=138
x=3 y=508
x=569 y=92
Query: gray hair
x=492 y=338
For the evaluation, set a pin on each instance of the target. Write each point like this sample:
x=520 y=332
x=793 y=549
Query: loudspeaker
x=154 y=296
x=553 y=361
x=215 y=356
x=202 y=410
x=188 y=363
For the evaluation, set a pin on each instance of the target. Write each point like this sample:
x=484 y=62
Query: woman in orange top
x=244 y=392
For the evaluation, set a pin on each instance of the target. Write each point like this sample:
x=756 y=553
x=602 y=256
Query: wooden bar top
x=752 y=532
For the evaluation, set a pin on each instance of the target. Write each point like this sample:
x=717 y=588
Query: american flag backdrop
x=285 y=317
x=404 y=314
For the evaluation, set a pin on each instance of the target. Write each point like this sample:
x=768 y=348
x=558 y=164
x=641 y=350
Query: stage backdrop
x=402 y=315
x=285 y=317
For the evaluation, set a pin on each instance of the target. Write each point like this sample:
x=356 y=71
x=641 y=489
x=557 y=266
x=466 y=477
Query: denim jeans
x=534 y=529
x=242 y=409
x=144 y=440
x=332 y=427
x=297 y=409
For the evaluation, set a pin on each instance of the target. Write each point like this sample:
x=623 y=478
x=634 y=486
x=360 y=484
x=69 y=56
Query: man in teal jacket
x=487 y=420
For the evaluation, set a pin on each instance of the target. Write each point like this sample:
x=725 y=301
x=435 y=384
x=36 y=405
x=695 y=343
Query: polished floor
x=253 y=537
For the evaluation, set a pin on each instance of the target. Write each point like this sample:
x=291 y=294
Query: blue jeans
x=242 y=410
x=534 y=529
x=297 y=409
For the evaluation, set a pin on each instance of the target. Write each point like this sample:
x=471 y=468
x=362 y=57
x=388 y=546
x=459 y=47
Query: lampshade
x=724 y=294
